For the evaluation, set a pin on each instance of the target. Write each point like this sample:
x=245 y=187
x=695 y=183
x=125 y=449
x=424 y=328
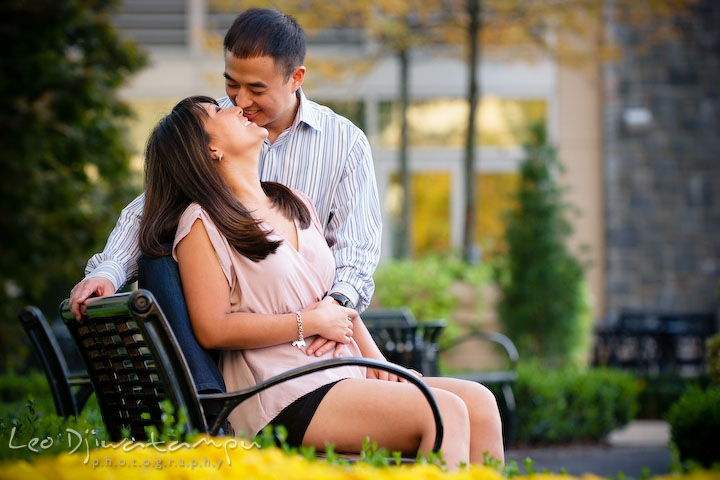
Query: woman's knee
x=453 y=409
x=484 y=396
x=483 y=405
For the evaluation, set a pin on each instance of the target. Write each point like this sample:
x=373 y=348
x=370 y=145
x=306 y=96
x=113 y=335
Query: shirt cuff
x=347 y=290
x=110 y=270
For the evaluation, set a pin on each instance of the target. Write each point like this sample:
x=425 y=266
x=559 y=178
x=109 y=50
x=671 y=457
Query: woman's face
x=230 y=132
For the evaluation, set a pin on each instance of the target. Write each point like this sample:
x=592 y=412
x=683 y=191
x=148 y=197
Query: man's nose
x=242 y=100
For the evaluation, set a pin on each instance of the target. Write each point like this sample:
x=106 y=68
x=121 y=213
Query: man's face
x=260 y=89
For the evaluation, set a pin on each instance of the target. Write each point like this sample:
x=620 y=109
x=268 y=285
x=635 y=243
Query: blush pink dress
x=284 y=282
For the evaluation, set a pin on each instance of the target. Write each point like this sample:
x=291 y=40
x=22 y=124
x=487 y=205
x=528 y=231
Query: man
x=309 y=148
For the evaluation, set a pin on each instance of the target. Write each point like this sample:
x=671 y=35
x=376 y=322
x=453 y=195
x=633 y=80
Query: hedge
x=570 y=404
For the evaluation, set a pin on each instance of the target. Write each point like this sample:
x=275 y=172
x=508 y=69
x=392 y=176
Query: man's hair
x=179 y=170
x=260 y=32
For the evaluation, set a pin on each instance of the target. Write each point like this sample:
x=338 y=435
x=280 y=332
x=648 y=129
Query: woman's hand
x=332 y=322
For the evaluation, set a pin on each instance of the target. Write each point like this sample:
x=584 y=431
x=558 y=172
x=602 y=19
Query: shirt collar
x=306 y=113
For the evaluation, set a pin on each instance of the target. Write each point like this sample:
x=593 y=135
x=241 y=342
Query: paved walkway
x=642 y=444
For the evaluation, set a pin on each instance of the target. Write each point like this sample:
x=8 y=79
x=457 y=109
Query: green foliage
x=27 y=412
x=713 y=357
x=173 y=427
x=26 y=434
x=571 y=404
x=694 y=426
x=544 y=306
x=659 y=392
x=511 y=468
x=16 y=390
x=23 y=422
x=370 y=453
x=62 y=138
x=424 y=286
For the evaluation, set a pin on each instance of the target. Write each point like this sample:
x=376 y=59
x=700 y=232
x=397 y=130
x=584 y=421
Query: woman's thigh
x=478 y=398
x=459 y=386
x=393 y=414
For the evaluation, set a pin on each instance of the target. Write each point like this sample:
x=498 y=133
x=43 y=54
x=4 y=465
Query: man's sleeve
x=356 y=227
x=118 y=262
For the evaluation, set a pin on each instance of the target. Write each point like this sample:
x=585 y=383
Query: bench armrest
x=495 y=337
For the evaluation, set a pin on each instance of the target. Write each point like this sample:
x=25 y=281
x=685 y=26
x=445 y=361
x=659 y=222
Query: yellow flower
x=219 y=457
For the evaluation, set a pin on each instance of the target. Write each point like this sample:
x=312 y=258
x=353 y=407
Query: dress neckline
x=272 y=232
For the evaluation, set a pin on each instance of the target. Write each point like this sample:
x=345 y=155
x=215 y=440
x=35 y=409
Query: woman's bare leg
x=485 y=422
x=395 y=415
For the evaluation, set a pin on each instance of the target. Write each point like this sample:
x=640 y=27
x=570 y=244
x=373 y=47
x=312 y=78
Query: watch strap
x=342 y=300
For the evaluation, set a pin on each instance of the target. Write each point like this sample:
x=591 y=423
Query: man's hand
x=377 y=374
x=321 y=345
x=100 y=286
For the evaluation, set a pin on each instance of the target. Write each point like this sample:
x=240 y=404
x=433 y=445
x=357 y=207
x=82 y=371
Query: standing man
x=309 y=148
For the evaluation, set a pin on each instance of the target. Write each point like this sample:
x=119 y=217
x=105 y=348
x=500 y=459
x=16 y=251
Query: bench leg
x=509 y=399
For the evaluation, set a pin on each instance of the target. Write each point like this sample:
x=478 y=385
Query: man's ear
x=297 y=78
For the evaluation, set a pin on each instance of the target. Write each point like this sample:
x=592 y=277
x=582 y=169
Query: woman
x=255 y=267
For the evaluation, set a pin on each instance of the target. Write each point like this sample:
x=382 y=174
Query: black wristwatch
x=342 y=300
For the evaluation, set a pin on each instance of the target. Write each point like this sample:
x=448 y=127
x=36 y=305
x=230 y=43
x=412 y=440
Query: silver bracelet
x=300 y=342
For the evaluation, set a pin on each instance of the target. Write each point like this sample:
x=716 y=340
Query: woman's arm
x=207 y=296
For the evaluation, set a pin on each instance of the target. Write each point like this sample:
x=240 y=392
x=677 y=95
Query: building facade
x=638 y=137
x=662 y=167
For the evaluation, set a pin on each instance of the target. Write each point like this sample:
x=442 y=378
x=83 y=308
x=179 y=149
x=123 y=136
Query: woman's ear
x=216 y=154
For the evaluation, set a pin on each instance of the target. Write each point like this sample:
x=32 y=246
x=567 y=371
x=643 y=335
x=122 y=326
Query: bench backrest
x=162 y=277
x=134 y=363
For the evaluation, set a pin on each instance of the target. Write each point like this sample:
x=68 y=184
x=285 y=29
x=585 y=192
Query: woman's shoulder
x=218 y=241
x=188 y=217
x=192 y=213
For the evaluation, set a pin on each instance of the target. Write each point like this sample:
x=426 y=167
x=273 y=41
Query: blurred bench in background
x=652 y=342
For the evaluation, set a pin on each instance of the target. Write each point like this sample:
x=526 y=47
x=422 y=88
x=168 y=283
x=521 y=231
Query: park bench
x=655 y=342
x=404 y=341
x=135 y=363
x=186 y=374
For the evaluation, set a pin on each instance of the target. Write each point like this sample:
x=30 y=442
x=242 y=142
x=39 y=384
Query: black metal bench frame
x=653 y=342
x=70 y=389
x=135 y=363
x=402 y=340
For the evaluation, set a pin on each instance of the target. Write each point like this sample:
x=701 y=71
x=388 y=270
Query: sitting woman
x=255 y=268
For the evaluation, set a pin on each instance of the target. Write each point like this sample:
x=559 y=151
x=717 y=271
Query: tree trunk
x=403 y=250
x=469 y=250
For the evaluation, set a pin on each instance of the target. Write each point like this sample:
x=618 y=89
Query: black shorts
x=296 y=417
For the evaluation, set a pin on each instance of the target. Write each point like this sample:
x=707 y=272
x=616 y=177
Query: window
x=443 y=121
x=493 y=197
x=352 y=110
x=430 y=210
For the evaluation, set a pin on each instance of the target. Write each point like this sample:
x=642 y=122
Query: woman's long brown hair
x=179 y=170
